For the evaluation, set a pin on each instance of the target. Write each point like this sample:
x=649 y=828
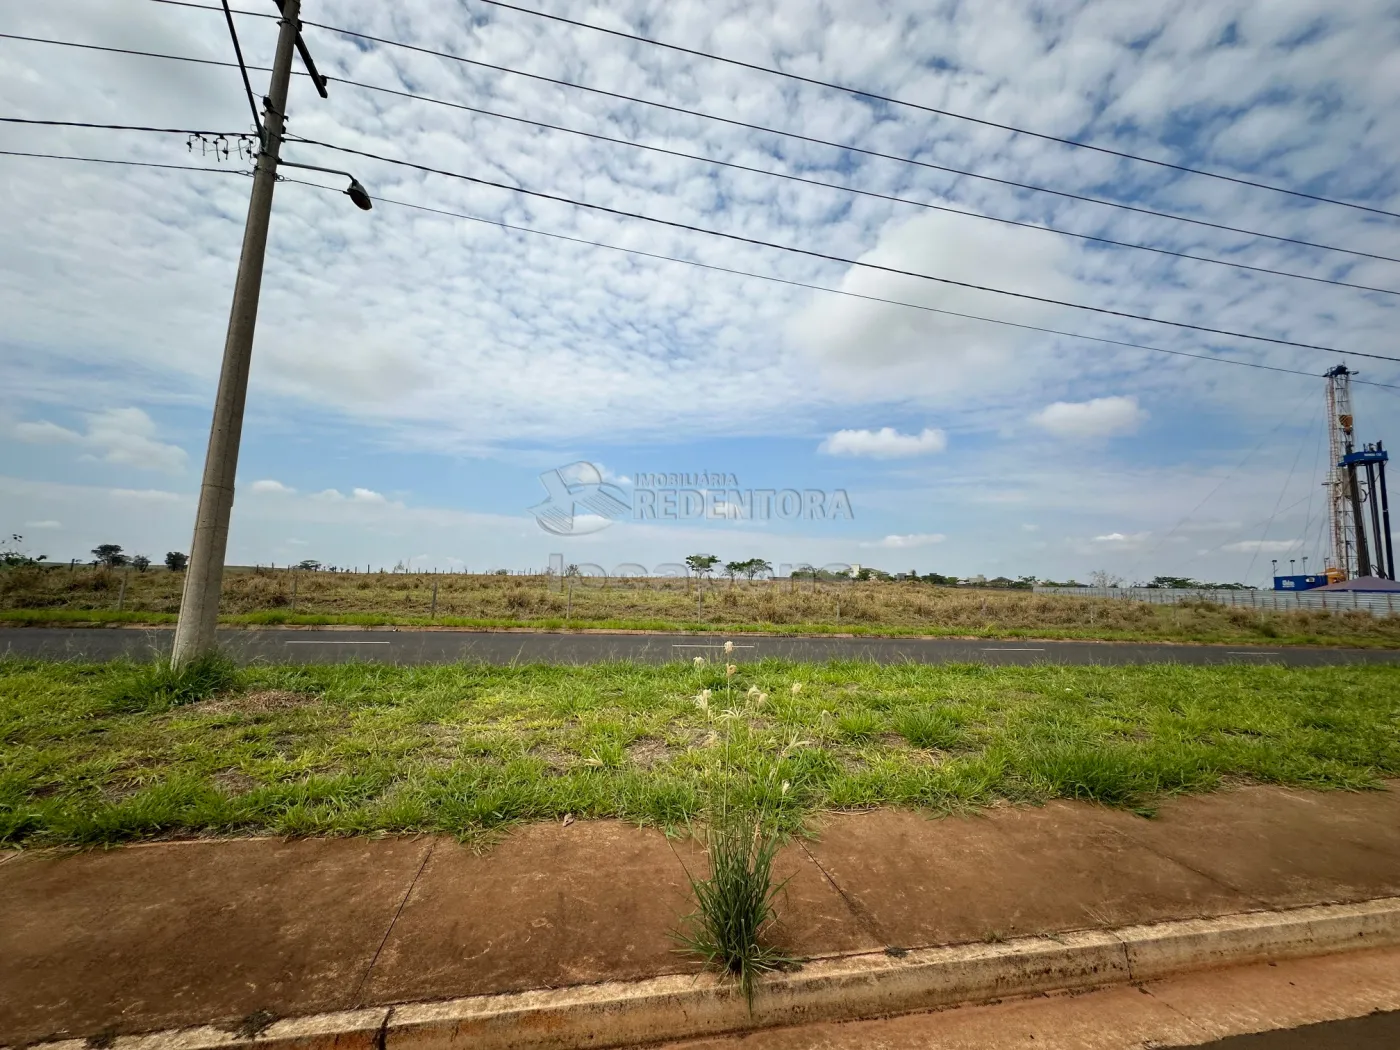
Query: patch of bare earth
x=648 y=752
x=259 y=701
x=232 y=782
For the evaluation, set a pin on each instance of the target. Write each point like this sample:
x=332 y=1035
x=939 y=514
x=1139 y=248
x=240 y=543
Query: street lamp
x=355 y=191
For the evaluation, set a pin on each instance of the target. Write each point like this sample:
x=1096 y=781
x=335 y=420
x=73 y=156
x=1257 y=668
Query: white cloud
x=1264 y=546
x=917 y=539
x=147 y=495
x=885 y=443
x=1122 y=537
x=46 y=433
x=329 y=495
x=367 y=496
x=115 y=435
x=268 y=485
x=43 y=524
x=1099 y=417
x=1027 y=527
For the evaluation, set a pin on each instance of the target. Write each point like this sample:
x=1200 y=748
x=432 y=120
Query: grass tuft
x=158 y=686
x=929 y=728
x=734 y=905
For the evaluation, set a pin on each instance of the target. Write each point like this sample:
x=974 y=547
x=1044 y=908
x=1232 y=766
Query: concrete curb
x=835 y=989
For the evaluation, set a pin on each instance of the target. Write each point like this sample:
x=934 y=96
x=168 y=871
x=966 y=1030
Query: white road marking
x=1005 y=650
x=318 y=641
x=698 y=645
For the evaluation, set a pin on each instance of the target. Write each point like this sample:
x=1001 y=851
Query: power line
x=810 y=253
x=121 y=127
x=838 y=186
x=247 y=84
x=848 y=148
x=126 y=163
x=834 y=291
x=729 y=121
x=880 y=98
x=597 y=136
x=939 y=112
x=211 y=7
x=714 y=267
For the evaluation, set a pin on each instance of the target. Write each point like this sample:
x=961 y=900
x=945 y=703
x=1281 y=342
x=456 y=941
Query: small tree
x=109 y=555
x=1104 y=578
x=141 y=563
x=733 y=569
x=12 y=553
x=754 y=566
x=702 y=564
x=175 y=561
x=308 y=565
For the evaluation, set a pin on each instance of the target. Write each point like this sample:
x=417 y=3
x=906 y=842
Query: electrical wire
x=242 y=68
x=596 y=136
x=1314 y=485
x=1084 y=198
x=714 y=267
x=828 y=257
x=1264 y=538
x=120 y=127
x=844 y=146
x=889 y=100
x=1241 y=532
x=1219 y=485
x=694 y=52
x=128 y=163
x=831 y=291
x=211 y=7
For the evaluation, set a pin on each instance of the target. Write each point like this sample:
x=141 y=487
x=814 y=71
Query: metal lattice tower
x=1340 y=440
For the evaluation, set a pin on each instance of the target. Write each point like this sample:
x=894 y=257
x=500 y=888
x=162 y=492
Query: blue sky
x=414 y=373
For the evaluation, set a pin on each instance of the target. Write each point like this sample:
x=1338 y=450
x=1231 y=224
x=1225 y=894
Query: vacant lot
x=88 y=754
x=57 y=594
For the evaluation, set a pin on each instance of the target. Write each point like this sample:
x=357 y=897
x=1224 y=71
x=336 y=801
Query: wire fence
x=1279 y=601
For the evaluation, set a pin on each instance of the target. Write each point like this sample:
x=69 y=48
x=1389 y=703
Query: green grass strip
x=114 y=752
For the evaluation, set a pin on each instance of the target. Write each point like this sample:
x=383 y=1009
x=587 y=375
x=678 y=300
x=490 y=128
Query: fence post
x=294 y=591
x=121 y=593
x=433 y=614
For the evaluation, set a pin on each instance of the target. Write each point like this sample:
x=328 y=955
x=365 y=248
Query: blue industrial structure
x=1300 y=583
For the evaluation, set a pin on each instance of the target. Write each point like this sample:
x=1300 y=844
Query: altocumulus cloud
x=885 y=443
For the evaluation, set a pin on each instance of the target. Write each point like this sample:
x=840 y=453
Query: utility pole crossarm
x=306 y=59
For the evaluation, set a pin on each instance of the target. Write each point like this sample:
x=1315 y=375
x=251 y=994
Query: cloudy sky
x=415 y=372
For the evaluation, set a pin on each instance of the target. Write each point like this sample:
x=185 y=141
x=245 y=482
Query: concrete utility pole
x=199 y=603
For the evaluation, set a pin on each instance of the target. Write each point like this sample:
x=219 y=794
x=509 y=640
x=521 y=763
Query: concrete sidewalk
x=236 y=932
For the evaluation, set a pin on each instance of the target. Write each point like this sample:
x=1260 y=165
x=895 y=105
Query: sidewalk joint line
x=1174 y=1009
x=381 y=1037
x=863 y=918
x=1262 y=905
x=356 y=1001
x=1127 y=955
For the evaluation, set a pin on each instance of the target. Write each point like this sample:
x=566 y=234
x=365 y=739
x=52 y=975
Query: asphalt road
x=1373 y=1032
x=329 y=645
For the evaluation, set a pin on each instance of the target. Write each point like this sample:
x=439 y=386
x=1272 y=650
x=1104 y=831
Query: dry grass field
x=57 y=594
